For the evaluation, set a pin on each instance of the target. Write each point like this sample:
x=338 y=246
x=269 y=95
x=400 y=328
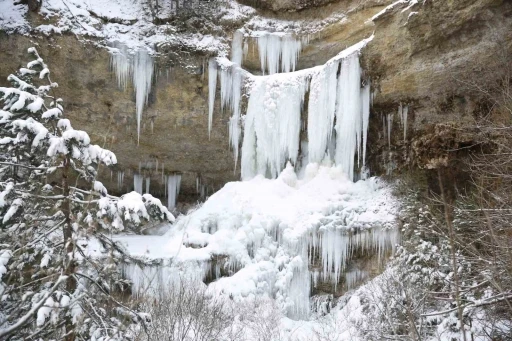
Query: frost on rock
x=265 y=234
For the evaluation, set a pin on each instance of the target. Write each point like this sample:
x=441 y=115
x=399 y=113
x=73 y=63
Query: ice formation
x=403 y=111
x=139 y=67
x=278 y=52
x=137 y=183
x=142 y=78
x=273 y=122
x=322 y=102
x=237 y=52
x=212 y=88
x=121 y=64
x=231 y=82
x=280 y=237
x=348 y=114
x=173 y=189
x=389 y=126
x=120 y=180
x=272 y=234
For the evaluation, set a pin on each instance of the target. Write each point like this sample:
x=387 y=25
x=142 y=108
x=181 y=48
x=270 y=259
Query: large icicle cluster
x=273 y=124
x=139 y=67
x=338 y=113
x=278 y=52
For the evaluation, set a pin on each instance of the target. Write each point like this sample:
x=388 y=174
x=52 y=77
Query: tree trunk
x=451 y=232
x=68 y=246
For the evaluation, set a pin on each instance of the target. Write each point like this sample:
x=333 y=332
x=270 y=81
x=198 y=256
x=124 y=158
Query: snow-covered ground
x=258 y=238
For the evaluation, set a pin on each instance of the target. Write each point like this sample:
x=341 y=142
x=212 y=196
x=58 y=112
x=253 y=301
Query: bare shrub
x=187 y=311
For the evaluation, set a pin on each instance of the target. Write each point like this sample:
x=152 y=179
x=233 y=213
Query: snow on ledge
x=393 y=6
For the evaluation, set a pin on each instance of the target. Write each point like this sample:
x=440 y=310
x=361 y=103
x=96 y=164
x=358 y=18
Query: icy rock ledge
x=258 y=237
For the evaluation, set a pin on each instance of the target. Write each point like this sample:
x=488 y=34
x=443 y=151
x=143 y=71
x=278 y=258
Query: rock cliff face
x=429 y=57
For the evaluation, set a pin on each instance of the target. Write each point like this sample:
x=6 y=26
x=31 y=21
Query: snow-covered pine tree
x=59 y=274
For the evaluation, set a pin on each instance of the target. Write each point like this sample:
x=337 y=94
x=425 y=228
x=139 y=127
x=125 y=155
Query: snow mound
x=259 y=237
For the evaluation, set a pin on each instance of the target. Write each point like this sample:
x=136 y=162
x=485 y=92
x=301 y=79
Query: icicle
x=173 y=189
x=212 y=87
x=142 y=78
x=148 y=181
x=120 y=180
x=234 y=121
x=246 y=48
x=365 y=99
x=348 y=114
x=355 y=276
x=400 y=114
x=278 y=52
x=290 y=50
x=321 y=109
x=404 y=113
x=390 y=123
x=237 y=52
x=298 y=292
x=165 y=187
x=226 y=87
x=121 y=65
x=137 y=183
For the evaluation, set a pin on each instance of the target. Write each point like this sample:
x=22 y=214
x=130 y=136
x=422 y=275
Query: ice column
x=142 y=78
x=231 y=80
x=121 y=64
x=148 y=182
x=365 y=100
x=278 y=52
x=237 y=52
x=173 y=189
x=348 y=114
x=321 y=109
x=137 y=183
x=120 y=180
x=272 y=124
x=212 y=87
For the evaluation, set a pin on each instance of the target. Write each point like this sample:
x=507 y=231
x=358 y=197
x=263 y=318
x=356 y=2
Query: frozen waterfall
x=273 y=120
x=279 y=238
x=289 y=235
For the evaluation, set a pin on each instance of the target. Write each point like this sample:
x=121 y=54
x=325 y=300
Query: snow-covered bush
x=420 y=297
x=58 y=267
